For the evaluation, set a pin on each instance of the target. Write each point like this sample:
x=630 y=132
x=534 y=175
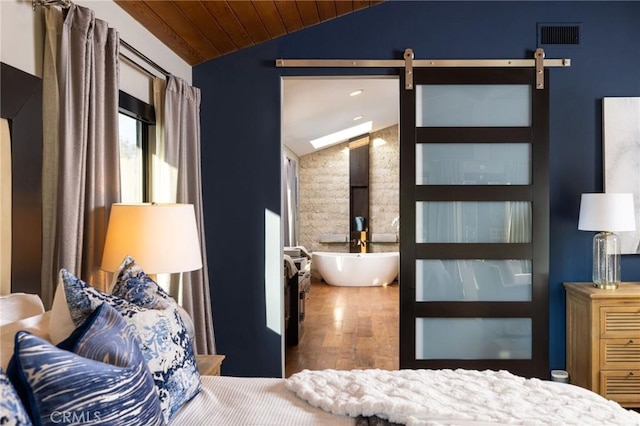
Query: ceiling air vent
x=558 y=34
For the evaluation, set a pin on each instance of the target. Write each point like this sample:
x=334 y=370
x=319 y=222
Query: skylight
x=342 y=135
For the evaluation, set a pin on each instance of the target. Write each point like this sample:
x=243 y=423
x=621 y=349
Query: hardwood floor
x=347 y=328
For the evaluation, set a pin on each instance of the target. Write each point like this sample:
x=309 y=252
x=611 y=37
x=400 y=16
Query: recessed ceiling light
x=342 y=135
x=356 y=92
x=357 y=118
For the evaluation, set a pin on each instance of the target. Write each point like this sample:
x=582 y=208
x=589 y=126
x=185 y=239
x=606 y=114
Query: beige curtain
x=182 y=154
x=163 y=182
x=5 y=208
x=81 y=166
x=50 y=132
x=163 y=176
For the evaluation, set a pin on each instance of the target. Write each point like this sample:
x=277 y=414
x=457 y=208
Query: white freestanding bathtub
x=357 y=269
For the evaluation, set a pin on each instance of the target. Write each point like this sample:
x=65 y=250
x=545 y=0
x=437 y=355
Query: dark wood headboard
x=21 y=105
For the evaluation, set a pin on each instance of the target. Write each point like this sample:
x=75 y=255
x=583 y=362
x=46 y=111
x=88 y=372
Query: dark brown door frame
x=537 y=193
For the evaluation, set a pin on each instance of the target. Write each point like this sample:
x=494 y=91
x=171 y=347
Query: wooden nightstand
x=603 y=340
x=209 y=365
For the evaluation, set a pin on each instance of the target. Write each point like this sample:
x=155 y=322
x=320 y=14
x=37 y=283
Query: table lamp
x=606 y=213
x=161 y=238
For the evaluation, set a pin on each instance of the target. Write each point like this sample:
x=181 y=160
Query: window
x=135 y=120
x=131 y=160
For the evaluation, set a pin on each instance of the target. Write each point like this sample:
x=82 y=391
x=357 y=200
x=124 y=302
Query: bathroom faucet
x=362 y=242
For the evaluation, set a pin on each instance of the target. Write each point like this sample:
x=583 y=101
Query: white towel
x=304 y=252
x=292 y=251
x=297 y=251
x=290 y=266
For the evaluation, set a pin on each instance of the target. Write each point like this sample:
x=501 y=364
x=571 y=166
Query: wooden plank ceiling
x=199 y=31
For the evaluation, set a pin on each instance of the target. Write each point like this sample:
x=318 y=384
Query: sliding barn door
x=474 y=220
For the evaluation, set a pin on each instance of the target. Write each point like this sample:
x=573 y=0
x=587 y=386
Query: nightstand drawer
x=619 y=321
x=621 y=386
x=618 y=354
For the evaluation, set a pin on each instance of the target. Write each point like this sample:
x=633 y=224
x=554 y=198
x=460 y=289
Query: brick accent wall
x=324 y=197
x=324 y=192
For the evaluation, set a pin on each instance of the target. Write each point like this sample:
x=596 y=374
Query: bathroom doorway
x=342 y=327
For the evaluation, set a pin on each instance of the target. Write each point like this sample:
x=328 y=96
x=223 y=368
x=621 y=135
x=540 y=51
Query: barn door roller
x=409 y=63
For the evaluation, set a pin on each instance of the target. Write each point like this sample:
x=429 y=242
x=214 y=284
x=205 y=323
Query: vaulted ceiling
x=199 y=31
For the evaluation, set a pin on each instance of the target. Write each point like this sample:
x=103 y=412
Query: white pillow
x=60 y=323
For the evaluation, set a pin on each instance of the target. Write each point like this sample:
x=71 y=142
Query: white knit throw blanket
x=454 y=397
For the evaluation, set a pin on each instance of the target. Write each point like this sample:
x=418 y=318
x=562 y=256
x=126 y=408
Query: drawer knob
x=631 y=341
x=631 y=373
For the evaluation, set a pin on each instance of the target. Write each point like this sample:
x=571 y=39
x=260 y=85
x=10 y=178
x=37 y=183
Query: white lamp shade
x=161 y=238
x=612 y=212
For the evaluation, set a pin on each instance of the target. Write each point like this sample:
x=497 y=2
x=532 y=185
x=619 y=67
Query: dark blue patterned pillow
x=105 y=381
x=164 y=341
x=12 y=411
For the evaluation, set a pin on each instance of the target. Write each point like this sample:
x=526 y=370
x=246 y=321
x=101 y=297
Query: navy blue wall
x=241 y=137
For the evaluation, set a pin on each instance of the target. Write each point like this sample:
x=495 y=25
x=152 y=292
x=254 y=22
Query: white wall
x=21 y=42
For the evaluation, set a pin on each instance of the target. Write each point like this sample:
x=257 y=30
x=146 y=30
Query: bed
x=378 y=397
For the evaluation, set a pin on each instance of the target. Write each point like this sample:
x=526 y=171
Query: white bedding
x=456 y=397
x=413 y=397
x=223 y=401
x=249 y=401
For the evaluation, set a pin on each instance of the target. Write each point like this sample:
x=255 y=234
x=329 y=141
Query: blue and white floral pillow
x=164 y=341
x=131 y=283
x=97 y=376
x=12 y=411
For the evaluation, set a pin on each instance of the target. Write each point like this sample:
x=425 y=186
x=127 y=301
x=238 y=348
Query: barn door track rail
x=409 y=63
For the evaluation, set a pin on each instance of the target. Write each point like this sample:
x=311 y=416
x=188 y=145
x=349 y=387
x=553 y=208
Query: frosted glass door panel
x=469 y=105
x=473 y=222
x=473 y=164
x=473 y=338
x=473 y=280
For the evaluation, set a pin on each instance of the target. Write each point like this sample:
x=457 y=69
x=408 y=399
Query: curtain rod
x=142 y=56
x=65 y=4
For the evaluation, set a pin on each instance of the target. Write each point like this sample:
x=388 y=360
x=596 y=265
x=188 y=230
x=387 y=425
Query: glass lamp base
x=606 y=260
